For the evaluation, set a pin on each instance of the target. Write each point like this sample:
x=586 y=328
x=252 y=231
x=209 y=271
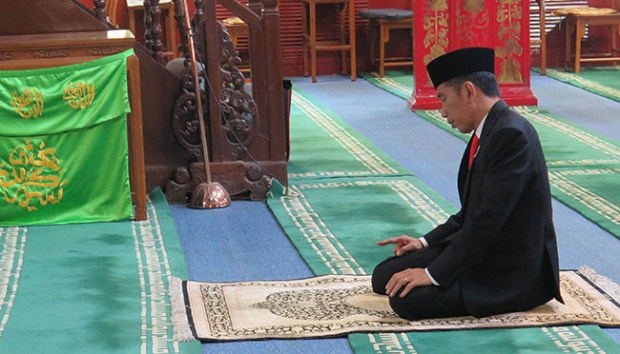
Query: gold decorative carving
x=472 y=23
x=79 y=95
x=436 y=29
x=29 y=104
x=32 y=176
x=509 y=50
x=473 y=6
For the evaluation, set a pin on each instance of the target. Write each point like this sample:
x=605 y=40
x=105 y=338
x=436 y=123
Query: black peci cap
x=460 y=62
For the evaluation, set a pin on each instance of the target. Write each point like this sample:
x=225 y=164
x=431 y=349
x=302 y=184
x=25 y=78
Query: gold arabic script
x=28 y=104
x=32 y=176
x=79 y=95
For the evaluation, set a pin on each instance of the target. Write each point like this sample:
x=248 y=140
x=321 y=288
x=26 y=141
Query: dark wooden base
x=242 y=180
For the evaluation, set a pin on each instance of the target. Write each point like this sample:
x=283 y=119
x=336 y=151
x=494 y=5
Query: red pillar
x=441 y=26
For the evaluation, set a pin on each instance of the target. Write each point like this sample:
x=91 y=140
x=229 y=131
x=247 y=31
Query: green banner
x=63 y=144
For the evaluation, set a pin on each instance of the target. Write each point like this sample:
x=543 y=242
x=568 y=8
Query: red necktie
x=473 y=149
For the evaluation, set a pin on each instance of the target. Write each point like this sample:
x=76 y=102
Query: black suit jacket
x=501 y=246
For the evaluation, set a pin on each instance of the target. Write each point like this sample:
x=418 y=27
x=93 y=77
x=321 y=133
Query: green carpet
x=603 y=81
x=325 y=147
x=399 y=83
x=584 y=168
x=546 y=340
x=335 y=222
x=91 y=288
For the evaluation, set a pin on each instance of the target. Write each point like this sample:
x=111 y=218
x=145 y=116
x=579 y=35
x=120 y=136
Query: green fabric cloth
x=63 y=145
x=91 y=288
x=335 y=222
x=583 y=167
x=603 y=81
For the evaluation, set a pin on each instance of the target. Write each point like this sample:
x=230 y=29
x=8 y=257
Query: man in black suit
x=498 y=254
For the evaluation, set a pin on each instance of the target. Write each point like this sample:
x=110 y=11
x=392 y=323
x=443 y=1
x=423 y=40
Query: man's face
x=456 y=106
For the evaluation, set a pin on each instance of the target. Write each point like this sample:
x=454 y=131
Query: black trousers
x=423 y=301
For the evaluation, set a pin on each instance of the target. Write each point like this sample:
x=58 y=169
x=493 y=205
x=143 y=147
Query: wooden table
x=577 y=23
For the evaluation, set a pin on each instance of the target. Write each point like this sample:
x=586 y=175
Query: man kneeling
x=497 y=254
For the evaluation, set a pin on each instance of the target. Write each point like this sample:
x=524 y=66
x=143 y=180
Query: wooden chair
x=576 y=19
x=312 y=44
x=383 y=21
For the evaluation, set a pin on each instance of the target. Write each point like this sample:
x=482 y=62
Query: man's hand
x=402 y=244
x=406 y=280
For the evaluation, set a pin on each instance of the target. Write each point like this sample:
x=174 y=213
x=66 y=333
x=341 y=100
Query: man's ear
x=471 y=91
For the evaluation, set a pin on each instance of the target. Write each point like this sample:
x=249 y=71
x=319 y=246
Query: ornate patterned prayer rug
x=334 y=305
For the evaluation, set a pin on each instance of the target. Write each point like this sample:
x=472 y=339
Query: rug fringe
x=606 y=284
x=180 y=323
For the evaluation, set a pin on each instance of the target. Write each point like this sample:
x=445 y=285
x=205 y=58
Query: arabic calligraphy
x=79 y=95
x=33 y=174
x=29 y=104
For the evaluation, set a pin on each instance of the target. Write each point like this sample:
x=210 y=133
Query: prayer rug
x=94 y=288
x=603 y=81
x=335 y=305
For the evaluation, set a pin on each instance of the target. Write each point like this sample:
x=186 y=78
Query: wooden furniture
x=136 y=8
x=542 y=20
x=312 y=43
x=247 y=133
x=31 y=51
x=237 y=28
x=384 y=21
x=576 y=23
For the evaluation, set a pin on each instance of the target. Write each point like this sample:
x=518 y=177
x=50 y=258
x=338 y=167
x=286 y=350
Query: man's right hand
x=402 y=244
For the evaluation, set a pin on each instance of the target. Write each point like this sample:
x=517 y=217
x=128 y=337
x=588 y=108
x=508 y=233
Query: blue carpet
x=244 y=242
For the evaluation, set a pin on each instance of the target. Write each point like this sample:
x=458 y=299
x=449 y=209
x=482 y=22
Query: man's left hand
x=407 y=280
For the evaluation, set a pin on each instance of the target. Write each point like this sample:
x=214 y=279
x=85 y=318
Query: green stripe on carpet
x=91 y=288
x=325 y=147
x=603 y=81
x=334 y=224
x=583 y=167
x=546 y=340
x=399 y=83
